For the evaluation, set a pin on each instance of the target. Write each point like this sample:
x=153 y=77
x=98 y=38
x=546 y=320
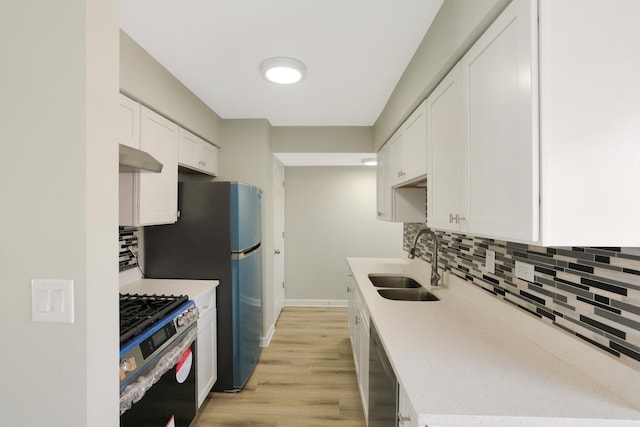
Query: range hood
x=134 y=160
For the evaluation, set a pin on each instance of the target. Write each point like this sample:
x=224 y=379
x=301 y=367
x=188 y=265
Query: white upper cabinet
x=397 y=158
x=408 y=147
x=590 y=122
x=549 y=115
x=383 y=184
x=448 y=194
x=197 y=154
x=402 y=169
x=129 y=122
x=148 y=198
x=414 y=140
x=499 y=94
x=396 y=204
x=159 y=192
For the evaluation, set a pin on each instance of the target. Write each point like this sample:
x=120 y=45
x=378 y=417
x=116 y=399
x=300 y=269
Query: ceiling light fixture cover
x=370 y=162
x=283 y=70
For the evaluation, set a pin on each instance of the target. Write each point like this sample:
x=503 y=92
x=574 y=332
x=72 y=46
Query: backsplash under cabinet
x=592 y=293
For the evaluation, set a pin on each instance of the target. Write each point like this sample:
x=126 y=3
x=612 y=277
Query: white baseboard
x=265 y=341
x=315 y=303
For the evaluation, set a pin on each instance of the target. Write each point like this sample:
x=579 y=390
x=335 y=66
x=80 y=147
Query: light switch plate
x=490 y=262
x=525 y=271
x=52 y=300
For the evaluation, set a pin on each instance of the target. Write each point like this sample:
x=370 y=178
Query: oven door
x=172 y=400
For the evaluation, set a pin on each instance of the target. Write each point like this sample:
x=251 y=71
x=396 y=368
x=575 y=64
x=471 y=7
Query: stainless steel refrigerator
x=218 y=236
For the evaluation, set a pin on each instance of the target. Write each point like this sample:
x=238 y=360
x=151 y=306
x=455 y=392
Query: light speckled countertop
x=192 y=288
x=471 y=360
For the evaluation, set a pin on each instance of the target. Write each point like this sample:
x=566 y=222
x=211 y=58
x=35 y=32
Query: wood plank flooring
x=306 y=377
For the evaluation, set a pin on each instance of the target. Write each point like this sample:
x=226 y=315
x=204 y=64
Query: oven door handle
x=136 y=389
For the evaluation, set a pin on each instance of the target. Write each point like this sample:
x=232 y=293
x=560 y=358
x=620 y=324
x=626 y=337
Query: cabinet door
x=188 y=147
x=197 y=154
x=448 y=188
x=129 y=122
x=383 y=184
x=414 y=139
x=209 y=159
x=363 y=363
x=158 y=192
x=499 y=92
x=207 y=354
x=398 y=163
x=352 y=310
x=407 y=416
x=590 y=122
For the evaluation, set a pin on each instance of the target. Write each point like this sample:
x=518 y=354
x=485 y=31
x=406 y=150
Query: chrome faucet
x=435 y=276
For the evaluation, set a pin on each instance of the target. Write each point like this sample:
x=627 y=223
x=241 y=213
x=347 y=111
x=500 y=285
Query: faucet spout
x=435 y=276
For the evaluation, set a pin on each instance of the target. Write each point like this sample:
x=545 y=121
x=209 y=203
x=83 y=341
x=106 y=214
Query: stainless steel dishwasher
x=383 y=386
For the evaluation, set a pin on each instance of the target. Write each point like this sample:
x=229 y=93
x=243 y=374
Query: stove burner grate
x=139 y=312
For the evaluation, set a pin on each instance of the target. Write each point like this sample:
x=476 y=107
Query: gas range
x=149 y=324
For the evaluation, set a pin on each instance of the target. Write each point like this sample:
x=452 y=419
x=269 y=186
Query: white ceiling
x=355 y=52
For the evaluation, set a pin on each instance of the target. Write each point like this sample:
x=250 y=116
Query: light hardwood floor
x=306 y=377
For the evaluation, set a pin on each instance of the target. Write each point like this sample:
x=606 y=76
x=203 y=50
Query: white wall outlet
x=52 y=300
x=524 y=271
x=490 y=262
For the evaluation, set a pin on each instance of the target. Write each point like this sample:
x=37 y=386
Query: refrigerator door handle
x=246 y=253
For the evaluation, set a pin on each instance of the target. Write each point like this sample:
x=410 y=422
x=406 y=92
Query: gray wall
x=59 y=188
x=457 y=25
x=145 y=80
x=330 y=215
x=322 y=139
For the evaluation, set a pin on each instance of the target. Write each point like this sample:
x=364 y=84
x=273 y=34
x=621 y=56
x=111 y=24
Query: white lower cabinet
x=207 y=345
x=407 y=416
x=359 y=334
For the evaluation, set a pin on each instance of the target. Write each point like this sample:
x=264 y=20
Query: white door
x=278 y=237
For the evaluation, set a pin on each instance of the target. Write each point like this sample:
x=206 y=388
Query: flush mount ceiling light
x=283 y=70
x=370 y=162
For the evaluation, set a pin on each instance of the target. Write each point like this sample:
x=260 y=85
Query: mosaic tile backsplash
x=127 y=237
x=590 y=293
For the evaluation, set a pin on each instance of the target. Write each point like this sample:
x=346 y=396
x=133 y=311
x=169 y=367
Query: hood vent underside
x=134 y=160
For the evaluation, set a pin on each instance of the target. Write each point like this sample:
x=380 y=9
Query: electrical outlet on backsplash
x=590 y=293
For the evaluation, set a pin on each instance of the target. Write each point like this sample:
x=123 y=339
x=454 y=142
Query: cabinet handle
x=402 y=419
x=357 y=320
x=455 y=219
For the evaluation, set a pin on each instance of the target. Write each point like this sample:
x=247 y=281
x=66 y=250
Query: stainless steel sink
x=387 y=281
x=420 y=294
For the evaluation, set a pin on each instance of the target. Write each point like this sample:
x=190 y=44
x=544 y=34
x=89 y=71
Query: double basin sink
x=400 y=288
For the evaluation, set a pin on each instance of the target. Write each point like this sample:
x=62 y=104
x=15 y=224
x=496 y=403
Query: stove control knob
x=192 y=314
x=181 y=320
x=127 y=365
